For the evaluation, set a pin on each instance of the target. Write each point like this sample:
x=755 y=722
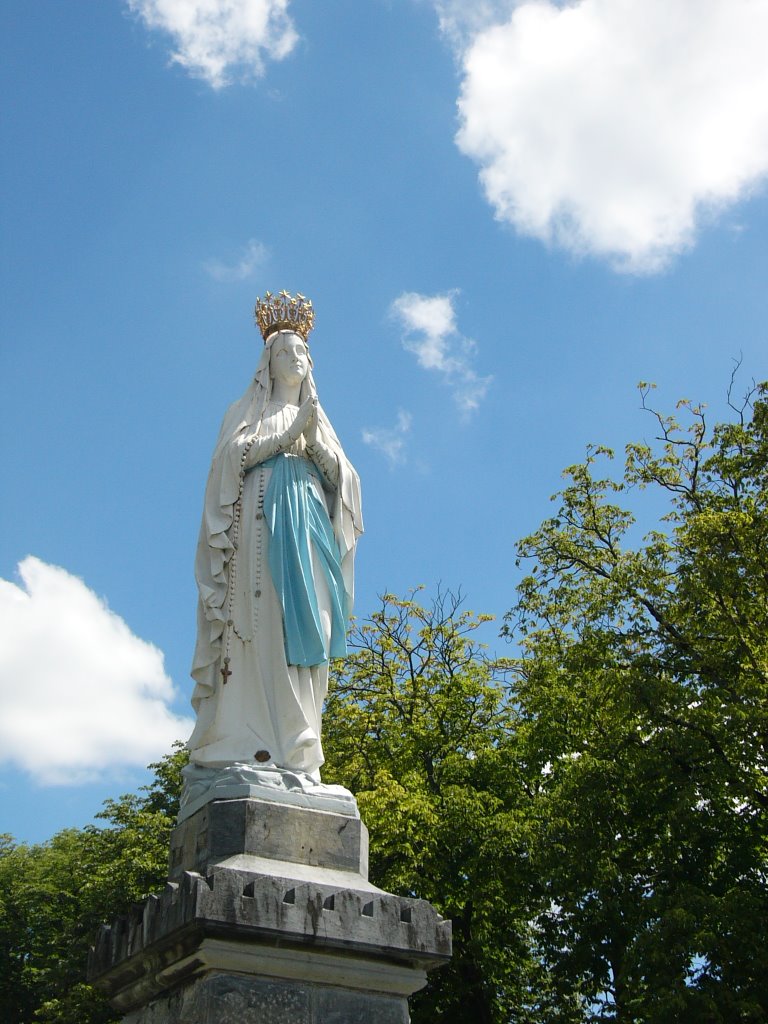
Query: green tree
x=54 y=896
x=417 y=725
x=642 y=698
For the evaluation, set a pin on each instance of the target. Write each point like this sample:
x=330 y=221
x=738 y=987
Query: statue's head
x=285 y=322
x=289 y=360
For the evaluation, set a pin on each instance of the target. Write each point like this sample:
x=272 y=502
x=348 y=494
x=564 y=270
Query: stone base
x=224 y=829
x=269 y=918
x=237 y=999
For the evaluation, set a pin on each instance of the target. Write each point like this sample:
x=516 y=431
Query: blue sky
x=505 y=221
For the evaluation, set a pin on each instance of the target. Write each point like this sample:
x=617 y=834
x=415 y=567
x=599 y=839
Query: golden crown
x=284 y=312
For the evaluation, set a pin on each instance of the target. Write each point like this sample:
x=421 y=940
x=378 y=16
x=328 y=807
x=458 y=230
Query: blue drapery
x=297 y=521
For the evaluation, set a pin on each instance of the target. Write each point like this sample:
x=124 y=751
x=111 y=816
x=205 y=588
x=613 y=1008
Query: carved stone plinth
x=259 y=829
x=269 y=918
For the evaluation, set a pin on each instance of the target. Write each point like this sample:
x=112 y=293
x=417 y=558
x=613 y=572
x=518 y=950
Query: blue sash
x=298 y=521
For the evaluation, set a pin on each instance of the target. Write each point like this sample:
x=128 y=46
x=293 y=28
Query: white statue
x=274 y=569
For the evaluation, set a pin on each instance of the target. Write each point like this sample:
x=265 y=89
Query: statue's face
x=289 y=360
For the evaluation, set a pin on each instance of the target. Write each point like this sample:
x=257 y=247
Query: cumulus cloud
x=431 y=334
x=251 y=259
x=391 y=441
x=615 y=127
x=217 y=40
x=79 y=693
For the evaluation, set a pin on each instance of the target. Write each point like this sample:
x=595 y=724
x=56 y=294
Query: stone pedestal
x=269 y=918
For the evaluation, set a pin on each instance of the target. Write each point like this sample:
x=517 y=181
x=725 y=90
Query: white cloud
x=79 y=693
x=391 y=441
x=459 y=20
x=214 y=39
x=431 y=334
x=251 y=259
x=615 y=127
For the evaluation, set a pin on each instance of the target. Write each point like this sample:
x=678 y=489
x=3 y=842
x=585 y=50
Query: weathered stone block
x=235 y=999
x=228 y=828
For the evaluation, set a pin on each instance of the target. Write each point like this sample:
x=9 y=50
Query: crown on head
x=284 y=312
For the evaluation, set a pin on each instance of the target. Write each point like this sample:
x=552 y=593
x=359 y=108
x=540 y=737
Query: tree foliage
x=643 y=719
x=54 y=896
x=417 y=726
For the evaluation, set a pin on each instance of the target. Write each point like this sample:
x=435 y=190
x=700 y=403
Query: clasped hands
x=304 y=423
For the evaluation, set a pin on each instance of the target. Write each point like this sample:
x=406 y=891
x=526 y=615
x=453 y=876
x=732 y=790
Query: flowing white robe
x=267 y=712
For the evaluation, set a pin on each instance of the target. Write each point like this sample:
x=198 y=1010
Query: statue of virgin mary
x=274 y=565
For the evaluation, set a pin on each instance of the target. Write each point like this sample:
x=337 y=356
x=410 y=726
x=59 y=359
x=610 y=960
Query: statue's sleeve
x=326 y=461
x=254 y=449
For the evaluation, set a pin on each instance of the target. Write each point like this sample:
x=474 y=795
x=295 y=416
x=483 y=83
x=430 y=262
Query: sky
x=505 y=219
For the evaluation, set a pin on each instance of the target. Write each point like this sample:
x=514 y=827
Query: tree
x=642 y=695
x=417 y=725
x=54 y=896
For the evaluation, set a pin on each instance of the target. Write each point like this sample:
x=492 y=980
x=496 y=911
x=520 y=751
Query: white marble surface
x=252 y=706
x=276 y=785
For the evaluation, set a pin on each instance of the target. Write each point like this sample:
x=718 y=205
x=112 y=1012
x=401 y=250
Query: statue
x=274 y=570
x=268 y=912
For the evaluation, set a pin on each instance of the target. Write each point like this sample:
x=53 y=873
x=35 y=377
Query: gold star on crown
x=284 y=312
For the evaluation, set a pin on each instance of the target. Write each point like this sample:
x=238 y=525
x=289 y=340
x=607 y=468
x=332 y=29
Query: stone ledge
x=161 y=942
x=155 y=977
